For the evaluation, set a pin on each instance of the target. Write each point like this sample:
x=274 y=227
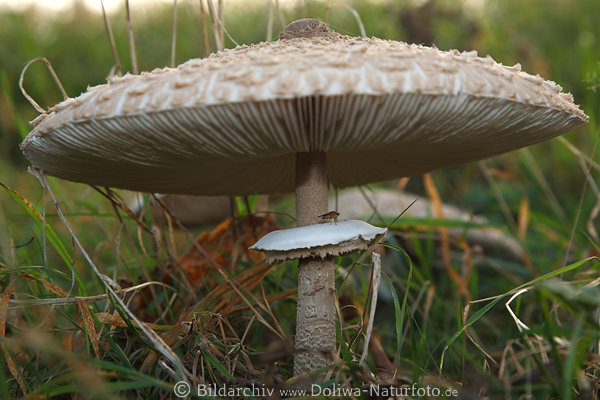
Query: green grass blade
x=46 y=349
x=399 y=310
x=10 y=104
x=216 y=363
x=51 y=235
x=499 y=298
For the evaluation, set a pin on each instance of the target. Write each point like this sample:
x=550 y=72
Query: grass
x=99 y=304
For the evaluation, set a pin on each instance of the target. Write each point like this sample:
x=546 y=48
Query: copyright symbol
x=181 y=389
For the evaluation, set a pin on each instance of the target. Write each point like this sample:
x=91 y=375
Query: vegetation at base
x=97 y=303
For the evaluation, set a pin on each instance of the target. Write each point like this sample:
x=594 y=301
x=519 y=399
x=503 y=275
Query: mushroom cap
x=232 y=123
x=317 y=241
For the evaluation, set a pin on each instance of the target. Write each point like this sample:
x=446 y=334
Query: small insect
x=331 y=216
x=189 y=326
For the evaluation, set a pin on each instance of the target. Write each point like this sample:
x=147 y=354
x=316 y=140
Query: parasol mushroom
x=311 y=109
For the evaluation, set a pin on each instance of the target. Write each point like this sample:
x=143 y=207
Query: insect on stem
x=331 y=216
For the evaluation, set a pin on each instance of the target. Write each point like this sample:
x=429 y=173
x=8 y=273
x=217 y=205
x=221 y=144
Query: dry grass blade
x=591 y=228
x=467 y=269
x=218 y=26
x=204 y=29
x=354 y=13
x=54 y=76
x=64 y=300
x=90 y=327
x=280 y=13
x=402 y=183
x=220 y=270
x=222 y=292
x=501 y=201
x=524 y=213
x=376 y=279
x=221 y=26
x=465 y=318
x=579 y=153
x=3 y=315
x=134 y=64
x=173 y=247
x=428 y=302
x=115 y=203
x=50 y=286
x=445 y=240
x=522 y=327
x=539 y=176
x=213 y=20
x=587 y=173
x=111 y=39
x=248 y=277
x=270 y=20
x=156 y=340
x=174 y=34
x=118 y=321
x=267 y=300
x=245 y=281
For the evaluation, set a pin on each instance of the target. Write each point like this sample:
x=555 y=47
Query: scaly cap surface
x=232 y=123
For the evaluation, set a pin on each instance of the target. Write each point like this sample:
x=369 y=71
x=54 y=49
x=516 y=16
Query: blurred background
x=545 y=197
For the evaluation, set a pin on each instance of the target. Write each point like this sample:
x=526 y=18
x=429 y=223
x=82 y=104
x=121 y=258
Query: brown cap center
x=305 y=28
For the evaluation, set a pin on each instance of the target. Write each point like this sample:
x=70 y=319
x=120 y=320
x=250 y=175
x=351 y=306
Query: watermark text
x=183 y=390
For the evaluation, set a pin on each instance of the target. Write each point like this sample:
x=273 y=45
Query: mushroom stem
x=311 y=187
x=315 y=312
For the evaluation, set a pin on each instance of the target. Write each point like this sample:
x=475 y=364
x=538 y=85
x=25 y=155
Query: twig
x=111 y=39
x=134 y=64
x=54 y=76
